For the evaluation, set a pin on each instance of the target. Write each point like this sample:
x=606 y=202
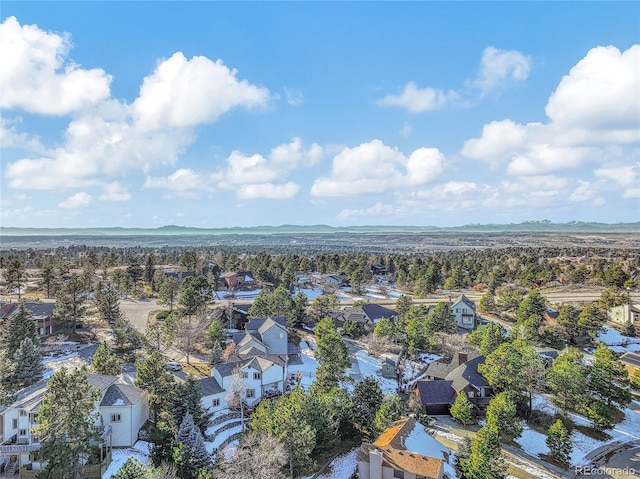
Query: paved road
x=137 y=312
x=355 y=373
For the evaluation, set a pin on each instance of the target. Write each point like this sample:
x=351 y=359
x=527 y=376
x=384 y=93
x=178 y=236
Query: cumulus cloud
x=499 y=69
x=418 y=100
x=378 y=209
x=593 y=110
x=10 y=137
x=184 y=183
x=184 y=93
x=375 y=167
x=111 y=138
x=37 y=77
x=78 y=200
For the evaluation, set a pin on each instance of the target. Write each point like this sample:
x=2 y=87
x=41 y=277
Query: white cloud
x=268 y=191
x=184 y=183
x=600 y=96
x=593 y=116
x=378 y=209
x=583 y=192
x=184 y=93
x=374 y=167
x=114 y=192
x=406 y=130
x=36 y=77
x=499 y=68
x=78 y=200
x=294 y=97
x=293 y=154
x=418 y=100
x=621 y=175
x=11 y=138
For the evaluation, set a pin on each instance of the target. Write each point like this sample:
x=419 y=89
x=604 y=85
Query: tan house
x=240 y=281
x=625 y=313
x=405 y=450
x=631 y=361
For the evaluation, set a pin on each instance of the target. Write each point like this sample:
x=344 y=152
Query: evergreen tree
x=403 y=304
x=462 y=409
x=168 y=288
x=70 y=302
x=502 y=417
x=216 y=356
x=188 y=400
x=514 y=367
x=160 y=334
x=485 y=460
x=533 y=305
x=150 y=268
x=600 y=414
x=390 y=410
x=126 y=338
x=66 y=420
x=107 y=303
x=105 y=361
x=162 y=439
x=559 y=442
x=332 y=354
x=367 y=399
x=28 y=363
x=48 y=277
x=300 y=303
x=567 y=379
x=487 y=303
x=19 y=327
x=613 y=296
x=568 y=320
x=133 y=468
x=608 y=379
x=215 y=335
x=442 y=320
x=15 y=275
x=487 y=338
x=154 y=378
x=591 y=320
x=7 y=368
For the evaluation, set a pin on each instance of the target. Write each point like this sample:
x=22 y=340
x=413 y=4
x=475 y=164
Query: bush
x=162 y=315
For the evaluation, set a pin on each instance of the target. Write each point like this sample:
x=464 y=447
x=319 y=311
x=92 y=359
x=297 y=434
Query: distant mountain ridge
x=544 y=226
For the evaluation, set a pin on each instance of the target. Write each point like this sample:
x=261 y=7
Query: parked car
x=174 y=367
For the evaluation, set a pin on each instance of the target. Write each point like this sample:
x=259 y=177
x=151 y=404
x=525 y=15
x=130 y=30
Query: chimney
x=462 y=358
x=375 y=464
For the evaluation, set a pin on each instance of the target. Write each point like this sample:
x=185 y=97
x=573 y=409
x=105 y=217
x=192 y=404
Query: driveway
x=354 y=372
x=137 y=312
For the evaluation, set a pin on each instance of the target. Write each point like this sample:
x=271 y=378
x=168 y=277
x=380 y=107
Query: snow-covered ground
x=415 y=371
x=617 y=342
x=140 y=450
x=369 y=366
x=251 y=294
x=308 y=367
x=627 y=430
x=342 y=467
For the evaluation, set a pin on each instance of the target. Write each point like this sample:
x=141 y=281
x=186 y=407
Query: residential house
x=42 y=313
x=621 y=315
x=438 y=370
x=239 y=281
x=631 y=361
x=389 y=368
x=178 y=275
x=464 y=312
x=405 y=450
x=334 y=281
x=437 y=395
x=366 y=315
x=257 y=368
x=122 y=410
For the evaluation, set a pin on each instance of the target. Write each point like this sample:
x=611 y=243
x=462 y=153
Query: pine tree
x=502 y=417
x=487 y=338
x=189 y=400
x=107 y=301
x=154 y=378
x=485 y=460
x=28 y=363
x=367 y=399
x=133 y=468
x=190 y=454
x=559 y=442
x=162 y=439
x=20 y=326
x=15 y=275
x=609 y=380
x=390 y=410
x=7 y=368
x=462 y=409
x=332 y=354
x=487 y=303
x=186 y=432
x=105 y=361
x=442 y=319
x=70 y=302
x=567 y=379
x=591 y=319
x=215 y=335
x=66 y=420
x=126 y=338
x=216 y=356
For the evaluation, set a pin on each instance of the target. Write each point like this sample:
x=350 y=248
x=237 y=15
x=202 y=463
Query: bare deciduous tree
x=258 y=457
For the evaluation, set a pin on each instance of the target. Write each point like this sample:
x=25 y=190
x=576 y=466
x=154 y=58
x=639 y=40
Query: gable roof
x=209 y=386
x=463 y=299
x=467 y=374
x=101 y=381
x=407 y=446
x=257 y=324
x=440 y=369
x=436 y=392
x=121 y=395
x=40 y=310
x=260 y=362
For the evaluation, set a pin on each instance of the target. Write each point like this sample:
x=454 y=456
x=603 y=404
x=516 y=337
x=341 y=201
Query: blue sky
x=216 y=114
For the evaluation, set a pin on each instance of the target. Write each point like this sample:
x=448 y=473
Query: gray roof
x=121 y=395
x=254 y=324
x=466 y=301
x=367 y=313
x=436 y=392
x=209 y=386
x=40 y=310
x=101 y=381
x=440 y=369
x=260 y=362
x=467 y=374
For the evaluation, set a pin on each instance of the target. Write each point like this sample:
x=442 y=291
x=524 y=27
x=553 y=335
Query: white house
x=257 y=369
x=625 y=313
x=464 y=312
x=125 y=408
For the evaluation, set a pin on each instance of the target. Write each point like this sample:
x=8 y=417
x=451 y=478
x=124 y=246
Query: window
x=216 y=403
x=251 y=393
x=15 y=424
x=23 y=432
x=256 y=375
x=23 y=412
x=280 y=336
x=245 y=375
x=398 y=474
x=115 y=418
x=470 y=394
